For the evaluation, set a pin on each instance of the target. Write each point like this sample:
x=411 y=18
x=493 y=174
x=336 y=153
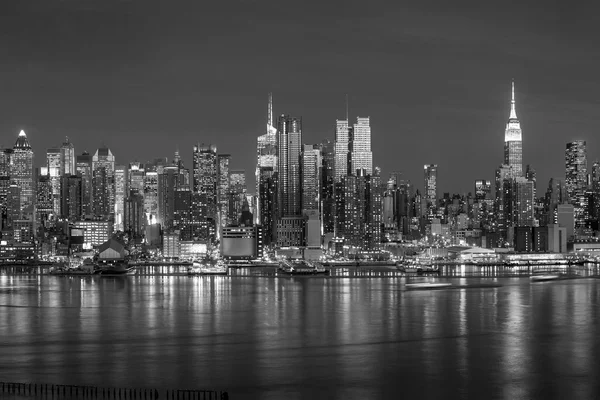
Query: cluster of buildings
x=309 y=200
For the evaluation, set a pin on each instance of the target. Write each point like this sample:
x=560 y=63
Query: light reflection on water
x=304 y=337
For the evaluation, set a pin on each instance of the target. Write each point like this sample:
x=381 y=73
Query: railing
x=46 y=391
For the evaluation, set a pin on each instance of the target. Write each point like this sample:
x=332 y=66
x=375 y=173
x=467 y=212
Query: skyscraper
x=44 y=197
x=151 y=195
x=205 y=178
x=121 y=192
x=84 y=169
x=513 y=144
x=237 y=194
x=53 y=164
x=576 y=178
x=483 y=189
x=223 y=161
x=71 y=197
x=360 y=155
x=289 y=143
x=268 y=203
x=135 y=178
x=342 y=139
x=167 y=187
x=327 y=186
x=103 y=181
x=430 y=187
x=67 y=158
x=311 y=178
x=266 y=152
x=22 y=172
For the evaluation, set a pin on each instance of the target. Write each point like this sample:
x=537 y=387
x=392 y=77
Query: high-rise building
x=135 y=178
x=121 y=191
x=289 y=143
x=266 y=152
x=71 y=197
x=430 y=187
x=5 y=168
x=103 y=181
x=513 y=140
x=531 y=175
x=53 y=164
x=576 y=179
x=311 y=178
x=237 y=194
x=22 y=173
x=182 y=214
x=341 y=147
x=44 y=197
x=223 y=161
x=595 y=187
x=67 y=158
x=205 y=179
x=268 y=203
x=483 y=189
x=167 y=186
x=522 y=202
x=360 y=155
x=84 y=169
x=151 y=196
x=327 y=186
x=134 y=219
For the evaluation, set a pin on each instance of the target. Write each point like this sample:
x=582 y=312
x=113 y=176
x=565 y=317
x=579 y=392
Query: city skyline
x=424 y=74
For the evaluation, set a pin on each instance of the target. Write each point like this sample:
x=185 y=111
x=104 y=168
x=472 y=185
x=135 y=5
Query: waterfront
x=265 y=337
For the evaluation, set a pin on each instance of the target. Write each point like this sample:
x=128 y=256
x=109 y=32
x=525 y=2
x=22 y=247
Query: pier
x=47 y=391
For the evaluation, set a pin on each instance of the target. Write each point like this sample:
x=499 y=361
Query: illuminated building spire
x=513 y=111
x=270 y=110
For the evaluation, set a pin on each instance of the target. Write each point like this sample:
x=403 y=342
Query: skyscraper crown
x=22 y=143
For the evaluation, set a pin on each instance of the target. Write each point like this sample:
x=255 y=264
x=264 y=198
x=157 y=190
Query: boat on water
x=427 y=285
x=62 y=270
x=302 y=267
x=544 y=277
x=117 y=269
x=204 y=268
x=418 y=268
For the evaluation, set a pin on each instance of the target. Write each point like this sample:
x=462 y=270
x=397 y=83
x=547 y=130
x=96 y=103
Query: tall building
x=135 y=178
x=341 y=146
x=311 y=178
x=289 y=145
x=71 y=197
x=360 y=155
x=134 y=219
x=327 y=186
x=268 y=203
x=53 y=164
x=168 y=183
x=205 y=179
x=513 y=140
x=266 y=152
x=522 y=202
x=150 y=196
x=83 y=165
x=44 y=197
x=22 y=172
x=5 y=168
x=576 y=179
x=237 y=194
x=182 y=213
x=483 y=189
x=121 y=191
x=223 y=161
x=67 y=158
x=103 y=181
x=430 y=187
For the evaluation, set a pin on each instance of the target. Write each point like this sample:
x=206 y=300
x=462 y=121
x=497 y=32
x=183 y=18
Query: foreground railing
x=47 y=391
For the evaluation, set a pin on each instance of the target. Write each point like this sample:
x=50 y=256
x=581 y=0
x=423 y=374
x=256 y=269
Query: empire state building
x=513 y=140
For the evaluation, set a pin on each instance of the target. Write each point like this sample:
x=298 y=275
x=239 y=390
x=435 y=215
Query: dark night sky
x=148 y=76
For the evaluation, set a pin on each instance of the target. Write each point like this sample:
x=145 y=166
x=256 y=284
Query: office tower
x=268 y=203
x=327 y=186
x=504 y=174
x=430 y=187
x=555 y=194
x=121 y=191
x=205 y=179
x=134 y=219
x=5 y=167
x=53 y=167
x=13 y=204
x=266 y=152
x=362 y=210
x=135 y=178
x=71 y=197
x=237 y=194
x=22 y=172
x=595 y=187
x=182 y=214
x=341 y=147
x=83 y=165
x=360 y=155
x=44 y=197
x=67 y=158
x=246 y=218
x=103 y=181
x=483 y=189
x=289 y=143
x=523 y=201
x=390 y=225
x=513 y=144
x=576 y=179
x=167 y=186
x=531 y=175
x=151 y=196
x=223 y=161
x=311 y=178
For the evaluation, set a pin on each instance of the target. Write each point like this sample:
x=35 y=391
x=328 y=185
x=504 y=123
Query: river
x=262 y=337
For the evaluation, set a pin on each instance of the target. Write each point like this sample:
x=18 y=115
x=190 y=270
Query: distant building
x=242 y=242
x=95 y=231
x=171 y=247
x=72 y=197
x=22 y=172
